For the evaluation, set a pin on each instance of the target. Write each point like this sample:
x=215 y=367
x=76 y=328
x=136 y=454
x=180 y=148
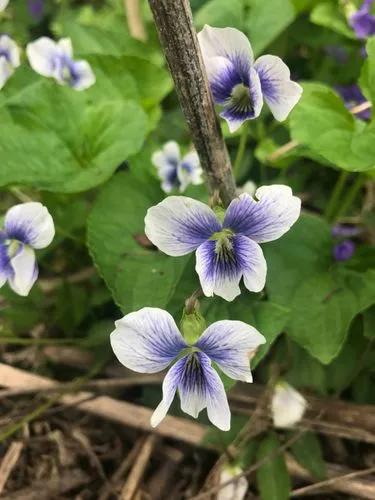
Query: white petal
x=267 y=219
x=6 y=71
x=9 y=47
x=30 y=223
x=288 y=405
x=236 y=490
x=253 y=264
x=25 y=271
x=178 y=225
x=225 y=42
x=84 y=75
x=279 y=91
x=230 y=344
x=65 y=45
x=169 y=154
x=147 y=340
x=170 y=383
x=41 y=54
x=3 y=4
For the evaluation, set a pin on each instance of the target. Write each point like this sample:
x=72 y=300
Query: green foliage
x=272 y=477
x=335 y=134
x=331 y=15
x=308 y=452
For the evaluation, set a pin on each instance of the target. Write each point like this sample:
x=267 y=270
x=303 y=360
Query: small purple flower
x=363 y=21
x=229 y=250
x=148 y=341
x=9 y=58
x=27 y=226
x=36 y=9
x=239 y=84
x=352 y=96
x=55 y=59
x=344 y=250
x=176 y=172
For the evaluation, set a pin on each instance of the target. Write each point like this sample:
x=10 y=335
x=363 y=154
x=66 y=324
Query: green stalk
x=241 y=150
x=350 y=196
x=331 y=207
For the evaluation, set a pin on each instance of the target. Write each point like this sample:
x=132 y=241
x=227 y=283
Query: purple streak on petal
x=219 y=268
x=352 y=96
x=363 y=21
x=345 y=231
x=344 y=250
x=224 y=82
x=5 y=266
x=20 y=230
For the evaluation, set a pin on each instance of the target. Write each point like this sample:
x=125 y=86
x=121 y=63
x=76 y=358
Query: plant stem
x=174 y=23
x=350 y=195
x=331 y=207
x=241 y=150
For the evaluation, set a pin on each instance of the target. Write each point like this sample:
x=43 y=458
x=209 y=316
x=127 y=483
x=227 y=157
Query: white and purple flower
x=229 y=250
x=148 y=341
x=55 y=60
x=9 y=58
x=27 y=226
x=176 y=172
x=239 y=84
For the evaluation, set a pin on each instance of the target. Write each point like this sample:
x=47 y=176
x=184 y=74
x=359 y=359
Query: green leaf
x=269 y=318
x=56 y=139
x=324 y=306
x=306 y=372
x=308 y=452
x=220 y=13
x=329 y=15
x=267 y=20
x=136 y=276
x=334 y=134
x=369 y=323
x=272 y=477
x=367 y=79
x=304 y=251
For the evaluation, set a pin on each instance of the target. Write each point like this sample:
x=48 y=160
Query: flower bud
x=288 y=405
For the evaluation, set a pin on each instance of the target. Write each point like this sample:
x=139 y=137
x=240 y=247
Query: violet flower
x=148 y=341
x=363 y=21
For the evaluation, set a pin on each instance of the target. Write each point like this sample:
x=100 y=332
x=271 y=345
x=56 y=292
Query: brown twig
x=135 y=21
x=8 y=462
x=179 y=41
x=359 y=488
x=289 y=146
x=138 y=468
x=330 y=482
x=50 y=284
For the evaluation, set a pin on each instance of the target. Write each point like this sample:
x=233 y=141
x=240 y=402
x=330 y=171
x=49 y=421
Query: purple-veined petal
x=146 y=341
x=24 y=271
x=5 y=267
x=189 y=171
x=178 y=225
x=82 y=75
x=170 y=384
x=220 y=273
x=41 y=55
x=225 y=42
x=10 y=50
x=229 y=344
x=167 y=161
x=267 y=219
x=279 y=91
x=245 y=102
x=30 y=223
x=200 y=386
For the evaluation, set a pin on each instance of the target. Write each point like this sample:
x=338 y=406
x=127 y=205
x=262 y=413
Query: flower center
x=240 y=97
x=13 y=247
x=224 y=245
